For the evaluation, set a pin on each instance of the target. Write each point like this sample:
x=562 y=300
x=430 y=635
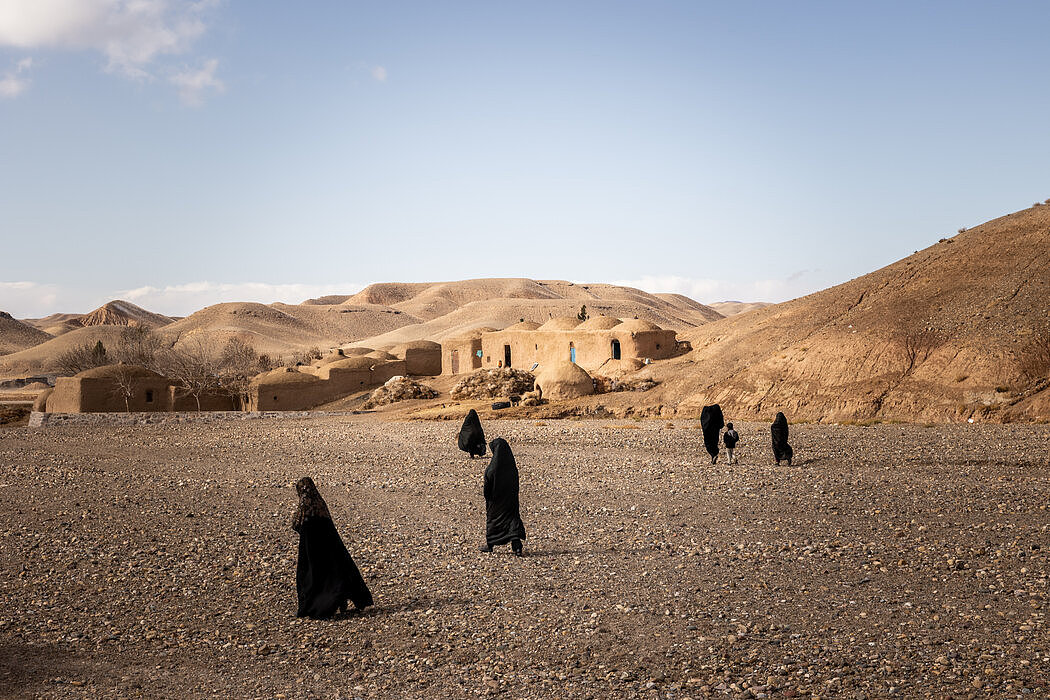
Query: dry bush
x=82 y=357
x=194 y=369
x=138 y=345
x=239 y=363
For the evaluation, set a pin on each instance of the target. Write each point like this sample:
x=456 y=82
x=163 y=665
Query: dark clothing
x=781 y=449
x=502 y=512
x=325 y=575
x=712 y=422
x=731 y=437
x=471 y=436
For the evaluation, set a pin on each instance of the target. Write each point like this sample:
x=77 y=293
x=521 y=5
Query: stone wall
x=38 y=419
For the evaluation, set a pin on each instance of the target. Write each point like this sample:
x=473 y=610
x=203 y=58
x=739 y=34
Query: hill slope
x=41 y=358
x=938 y=335
x=16 y=335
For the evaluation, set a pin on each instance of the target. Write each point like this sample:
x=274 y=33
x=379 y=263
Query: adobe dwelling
x=302 y=388
x=422 y=357
x=99 y=390
x=462 y=354
x=592 y=344
x=103 y=390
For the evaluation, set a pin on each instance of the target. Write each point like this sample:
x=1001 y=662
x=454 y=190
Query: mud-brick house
x=461 y=354
x=104 y=390
x=302 y=388
x=592 y=344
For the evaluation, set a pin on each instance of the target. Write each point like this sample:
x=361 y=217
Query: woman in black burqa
x=781 y=449
x=502 y=512
x=471 y=436
x=711 y=422
x=325 y=576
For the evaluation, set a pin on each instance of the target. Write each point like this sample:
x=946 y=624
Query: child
x=731 y=436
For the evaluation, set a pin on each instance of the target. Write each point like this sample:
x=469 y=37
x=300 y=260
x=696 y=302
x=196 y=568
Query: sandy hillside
x=16 y=335
x=966 y=307
x=114 y=313
x=41 y=358
x=453 y=308
x=732 y=308
x=283 y=328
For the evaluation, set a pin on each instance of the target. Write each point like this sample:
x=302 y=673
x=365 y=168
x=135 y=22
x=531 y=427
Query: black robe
x=326 y=575
x=781 y=449
x=471 y=436
x=712 y=422
x=502 y=512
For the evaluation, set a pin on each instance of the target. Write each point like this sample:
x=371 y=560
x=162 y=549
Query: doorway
x=572 y=353
x=506 y=356
x=615 y=349
x=455 y=362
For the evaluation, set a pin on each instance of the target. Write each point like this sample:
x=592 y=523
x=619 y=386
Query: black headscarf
x=471 y=436
x=781 y=449
x=502 y=513
x=325 y=575
x=712 y=422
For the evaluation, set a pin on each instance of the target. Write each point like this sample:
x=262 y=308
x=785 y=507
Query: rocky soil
x=399 y=389
x=493 y=384
x=892 y=560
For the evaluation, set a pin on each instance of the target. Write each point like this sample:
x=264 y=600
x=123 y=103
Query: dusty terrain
x=889 y=560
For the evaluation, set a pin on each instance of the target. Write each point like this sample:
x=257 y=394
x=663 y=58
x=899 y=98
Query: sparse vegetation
x=1002 y=389
x=583 y=313
x=82 y=357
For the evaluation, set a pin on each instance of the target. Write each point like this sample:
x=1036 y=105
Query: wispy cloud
x=130 y=34
x=29 y=299
x=712 y=290
x=193 y=84
x=379 y=73
x=182 y=299
x=14 y=82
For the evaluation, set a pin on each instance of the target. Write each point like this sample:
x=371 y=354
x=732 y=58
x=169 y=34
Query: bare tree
x=193 y=368
x=138 y=345
x=239 y=363
x=82 y=357
x=124 y=384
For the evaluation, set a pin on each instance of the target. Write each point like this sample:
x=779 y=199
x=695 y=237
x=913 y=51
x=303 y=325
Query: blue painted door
x=572 y=354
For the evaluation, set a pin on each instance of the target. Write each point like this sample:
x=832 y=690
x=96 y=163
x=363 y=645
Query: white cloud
x=13 y=84
x=131 y=34
x=379 y=73
x=192 y=84
x=707 y=291
x=28 y=299
x=182 y=299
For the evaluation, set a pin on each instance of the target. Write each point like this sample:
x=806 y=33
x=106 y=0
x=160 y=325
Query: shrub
x=961 y=377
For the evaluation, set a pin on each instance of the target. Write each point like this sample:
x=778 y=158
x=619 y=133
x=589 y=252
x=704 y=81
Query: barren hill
x=16 y=335
x=939 y=335
x=41 y=358
x=123 y=313
x=282 y=328
x=452 y=308
x=732 y=308
x=114 y=313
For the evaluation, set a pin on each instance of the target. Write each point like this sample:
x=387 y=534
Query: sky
x=179 y=154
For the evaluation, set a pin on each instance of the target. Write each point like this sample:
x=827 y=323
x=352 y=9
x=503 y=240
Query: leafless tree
x=239 y=363
x=82 y=357
x=193 y=368
x=138 y=345
x=124 y=384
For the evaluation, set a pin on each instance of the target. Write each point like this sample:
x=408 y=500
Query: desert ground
x=158 y=561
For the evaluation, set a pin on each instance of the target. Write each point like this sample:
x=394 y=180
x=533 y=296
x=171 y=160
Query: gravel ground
x=889 y=560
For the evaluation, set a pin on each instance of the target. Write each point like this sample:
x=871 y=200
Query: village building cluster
x=563 y=354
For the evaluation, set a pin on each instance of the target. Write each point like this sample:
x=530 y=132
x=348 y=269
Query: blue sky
x=178 y=154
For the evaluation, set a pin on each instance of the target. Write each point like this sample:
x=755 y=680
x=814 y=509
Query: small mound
x=523 y=326
x=284 y=375
x=493 y=383
x=599 y=323
x=563 y=380
x=399 y=389
x=562 y=323
x=637 y=324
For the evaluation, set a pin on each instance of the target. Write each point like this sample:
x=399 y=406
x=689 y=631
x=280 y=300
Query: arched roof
x=598 y=323
x=562 y=323
x=523 y=326
x=637 y=324
x=112 y=371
